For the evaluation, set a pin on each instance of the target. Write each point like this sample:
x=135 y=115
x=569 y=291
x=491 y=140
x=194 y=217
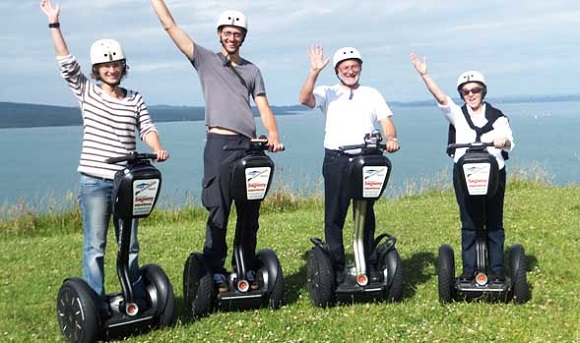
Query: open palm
x=51 y=12
x=317 y=61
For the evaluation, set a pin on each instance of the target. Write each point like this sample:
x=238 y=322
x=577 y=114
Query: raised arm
x=317 y=64
x=179 y=37
x=421 y=67
x=53 y=13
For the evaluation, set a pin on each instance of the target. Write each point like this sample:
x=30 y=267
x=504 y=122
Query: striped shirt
x=109 y=124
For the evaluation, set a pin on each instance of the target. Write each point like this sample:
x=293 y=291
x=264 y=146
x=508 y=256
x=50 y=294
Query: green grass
x=543 y=218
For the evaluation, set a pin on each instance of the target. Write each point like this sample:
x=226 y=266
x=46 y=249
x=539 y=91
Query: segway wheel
x=77 y=311
x=518 y=269
x=320 y=274
x=270 y=272
x=394 y=291
x=160 y=293
x=198 y=292
x=446 y=274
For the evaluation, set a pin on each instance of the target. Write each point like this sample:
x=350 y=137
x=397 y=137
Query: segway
x=135 y=192
x=478 y=175
x=251 y=180
x=369 y=174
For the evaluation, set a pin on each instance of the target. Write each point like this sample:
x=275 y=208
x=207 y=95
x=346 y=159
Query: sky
x=524 y=48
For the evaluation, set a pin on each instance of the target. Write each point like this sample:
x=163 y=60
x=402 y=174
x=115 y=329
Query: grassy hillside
x=543 y=218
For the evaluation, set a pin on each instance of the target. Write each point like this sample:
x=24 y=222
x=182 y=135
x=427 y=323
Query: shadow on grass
x=295 y=283
x=532 y=262
x=415 y=272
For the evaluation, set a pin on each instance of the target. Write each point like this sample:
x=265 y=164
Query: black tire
x=270 y=273
x=160 y=293
x=446 y=274
x=76 y=308
x=518 y=270
x=394 y=291
x=198 y=290
x=320 y=273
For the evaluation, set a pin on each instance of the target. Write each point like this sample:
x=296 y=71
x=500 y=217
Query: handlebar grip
x=470 y=145
x=112 y=160
x=350 y=147
x=131 y=157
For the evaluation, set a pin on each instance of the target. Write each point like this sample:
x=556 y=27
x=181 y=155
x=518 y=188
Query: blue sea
x=39 y=164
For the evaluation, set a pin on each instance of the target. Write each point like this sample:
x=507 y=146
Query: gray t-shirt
x=227 y=98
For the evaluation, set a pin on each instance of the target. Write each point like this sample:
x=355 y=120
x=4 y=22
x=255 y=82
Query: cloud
x=522 y=46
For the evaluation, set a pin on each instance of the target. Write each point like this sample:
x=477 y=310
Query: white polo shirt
x=350 y=116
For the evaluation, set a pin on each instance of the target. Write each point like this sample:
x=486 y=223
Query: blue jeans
x=96 y=209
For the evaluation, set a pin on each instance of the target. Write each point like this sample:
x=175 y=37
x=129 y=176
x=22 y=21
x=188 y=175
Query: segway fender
x=269 y=260
x=273 y=277
x=162 y=298
x=382 y=249
x=320 y=244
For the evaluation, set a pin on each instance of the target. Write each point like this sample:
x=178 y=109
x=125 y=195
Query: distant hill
x=18 y=115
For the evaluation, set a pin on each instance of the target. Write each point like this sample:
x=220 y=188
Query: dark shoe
x=104 y=310
x=497 y=278
x=339 y=274
x=375 y=275
x=143 y=304
x=251 y=277
x=220 y=283
x=467 y=276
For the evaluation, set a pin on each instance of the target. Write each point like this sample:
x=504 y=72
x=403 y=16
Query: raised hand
x=420 y=66
x=317 y=61
x=51 y=12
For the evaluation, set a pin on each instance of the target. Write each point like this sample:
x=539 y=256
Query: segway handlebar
x=132 y=157
x=473 y=145
x=372 y=141
x=255 y=144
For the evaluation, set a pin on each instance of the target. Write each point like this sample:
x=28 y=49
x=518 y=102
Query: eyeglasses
x=475 y=90
x=229 y=34
x=116 y=65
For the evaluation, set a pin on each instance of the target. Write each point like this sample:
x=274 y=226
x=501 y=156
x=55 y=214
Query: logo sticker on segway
x=477 y=177
x=373 y=180
x=144 y=195
x=257 y=180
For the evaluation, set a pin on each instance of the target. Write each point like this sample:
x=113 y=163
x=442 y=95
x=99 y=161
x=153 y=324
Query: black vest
x=491 y=114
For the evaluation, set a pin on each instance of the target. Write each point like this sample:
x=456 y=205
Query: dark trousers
x=335 y=170
x=470 y=214
x=217 y=198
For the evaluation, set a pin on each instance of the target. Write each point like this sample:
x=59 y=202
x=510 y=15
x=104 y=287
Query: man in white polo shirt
x=351 y=111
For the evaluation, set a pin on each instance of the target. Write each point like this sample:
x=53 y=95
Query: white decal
x=257 y=180
x=477 y=177
x=373 y=180
x=144 y=195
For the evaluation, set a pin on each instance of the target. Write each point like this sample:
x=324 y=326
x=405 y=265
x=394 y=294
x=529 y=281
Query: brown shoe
x=251 y=277
x=220 y=283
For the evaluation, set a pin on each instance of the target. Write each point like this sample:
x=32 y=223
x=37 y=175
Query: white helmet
x=232 y=18
x=106 y=50
x=345 y=53
x=470 y=76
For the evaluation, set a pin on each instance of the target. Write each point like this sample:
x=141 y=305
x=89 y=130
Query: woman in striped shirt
x=111 y=116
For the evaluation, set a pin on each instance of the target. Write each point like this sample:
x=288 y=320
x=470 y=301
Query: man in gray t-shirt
x=229 y=82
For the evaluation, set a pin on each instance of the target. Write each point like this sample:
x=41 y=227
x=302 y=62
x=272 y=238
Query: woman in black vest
x=475 y=121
